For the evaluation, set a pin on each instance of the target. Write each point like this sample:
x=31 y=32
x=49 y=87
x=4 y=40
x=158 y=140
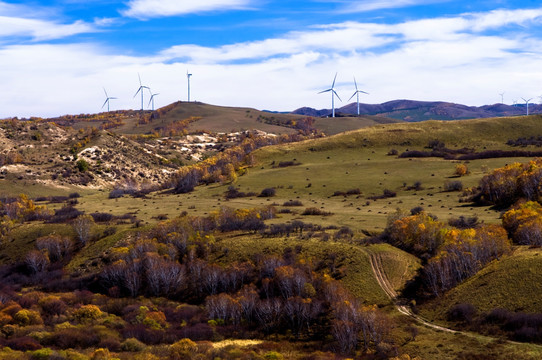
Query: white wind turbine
x=188 y=76
x=107 y=98
x=502 y=97
x=152 y=99
x=333 y=94
x=527 y=103
x=140 y=90
x=357 y=93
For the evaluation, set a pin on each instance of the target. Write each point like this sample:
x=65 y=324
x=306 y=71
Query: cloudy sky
x=56 y=56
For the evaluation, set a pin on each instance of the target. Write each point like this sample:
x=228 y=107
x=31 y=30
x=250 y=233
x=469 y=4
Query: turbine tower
x=502 y=97
x=188 y=75
x=152 y=99
x=107 y=98
x=357 y=93
x=333 y=94
x=140 y=90
x=527 y=103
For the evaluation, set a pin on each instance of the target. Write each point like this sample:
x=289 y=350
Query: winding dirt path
x=383 y=281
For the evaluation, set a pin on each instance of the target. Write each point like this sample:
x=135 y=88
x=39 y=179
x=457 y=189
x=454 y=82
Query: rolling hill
x=211 y=118
x=328 y=205
x=413 y=111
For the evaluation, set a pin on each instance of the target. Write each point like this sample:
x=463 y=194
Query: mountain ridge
x=414 y=111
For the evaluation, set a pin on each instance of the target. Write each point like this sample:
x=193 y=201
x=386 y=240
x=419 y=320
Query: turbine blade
x=106 y=101
x=105 y=93
x=337 y=95
x=352 y=96
x=355 y=83
x=113 y=98
x=138 y=90
x=333 y=85
x=328 y=90
x=139 y=79
x=363 y=92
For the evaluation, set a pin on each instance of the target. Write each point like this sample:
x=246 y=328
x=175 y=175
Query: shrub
x=82 y=165
x=268 y=192
x=24 y=343
x=132 y=345
x=292 y=203
x=453 y=185
x=315 y=211
x=344 y=233
x=87 y=313
x=287 y=164
x=183 y=349
x=462 y=312
x=102 y=217
x=116 y=193
x=385 y=194
x=64 y=214
x=28 y=317
x=52 y=305
x=233 y=193
x=464 y=222
x=416 y=186
x=273 y=355
x=100 y=354
x=461 y=170
x=41 y=354
x=393 y=152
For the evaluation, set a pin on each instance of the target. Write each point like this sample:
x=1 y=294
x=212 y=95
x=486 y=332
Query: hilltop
x=200 y=117
x=413 y=111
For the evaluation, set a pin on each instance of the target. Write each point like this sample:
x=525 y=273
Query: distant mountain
x=411 y=110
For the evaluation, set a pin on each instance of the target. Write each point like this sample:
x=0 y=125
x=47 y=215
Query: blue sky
x=57 y=55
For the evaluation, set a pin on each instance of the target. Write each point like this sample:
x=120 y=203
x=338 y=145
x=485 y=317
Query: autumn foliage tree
x=504 y=186
x=524 y=223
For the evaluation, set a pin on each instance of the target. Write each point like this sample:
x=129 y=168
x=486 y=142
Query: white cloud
x=371 y=5
x=25 y=21
x=145 y=9
x=40 y=30
x=450 y=59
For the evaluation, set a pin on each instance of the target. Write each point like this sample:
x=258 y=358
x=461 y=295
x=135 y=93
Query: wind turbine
x=107 y=98
x=188 y=75
x=140 y=90
x=333 y=94
x=502 y=97
x=527 y=103
x=357 y=93
x=152 y=99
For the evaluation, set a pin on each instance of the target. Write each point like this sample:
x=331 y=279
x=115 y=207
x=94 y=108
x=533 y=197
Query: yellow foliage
x=461 y=170
x=87 y=313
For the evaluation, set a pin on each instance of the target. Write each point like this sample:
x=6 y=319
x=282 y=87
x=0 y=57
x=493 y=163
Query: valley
x=168 y=234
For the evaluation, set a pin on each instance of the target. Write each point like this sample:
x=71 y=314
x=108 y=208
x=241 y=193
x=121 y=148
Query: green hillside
x=513 y=283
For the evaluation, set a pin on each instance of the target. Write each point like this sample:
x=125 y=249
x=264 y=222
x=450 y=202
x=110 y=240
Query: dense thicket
x=451 y=254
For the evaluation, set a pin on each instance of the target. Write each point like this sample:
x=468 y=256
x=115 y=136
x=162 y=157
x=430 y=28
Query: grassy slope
x=344 y=162
x=232 y=119
x=513 y=283
x=359 y=278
